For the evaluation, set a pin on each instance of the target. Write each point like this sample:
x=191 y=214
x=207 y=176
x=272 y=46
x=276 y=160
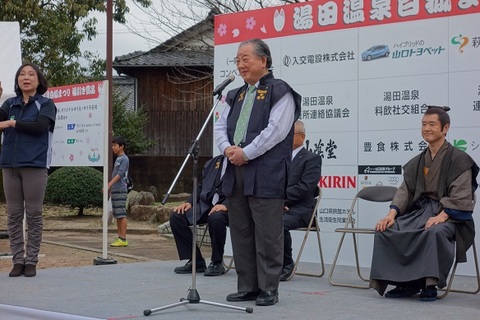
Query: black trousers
x=256 y=229
x=291 y=221
x=217 y=227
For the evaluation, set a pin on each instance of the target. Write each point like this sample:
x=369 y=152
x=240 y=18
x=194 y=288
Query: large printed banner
x=366 y=71
x=10 y=57
x=78 y=139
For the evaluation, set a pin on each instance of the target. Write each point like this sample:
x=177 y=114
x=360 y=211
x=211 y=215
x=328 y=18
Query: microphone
x=221 y=86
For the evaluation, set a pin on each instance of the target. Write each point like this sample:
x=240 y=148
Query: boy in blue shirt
x=118 y=191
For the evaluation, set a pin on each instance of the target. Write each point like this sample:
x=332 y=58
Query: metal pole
x=108 y=153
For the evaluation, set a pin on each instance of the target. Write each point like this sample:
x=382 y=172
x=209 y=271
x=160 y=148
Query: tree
x=77 y=187
x=174 y=16
x=52 y=30
x=129 y=124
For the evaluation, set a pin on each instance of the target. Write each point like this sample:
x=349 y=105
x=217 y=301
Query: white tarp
x=21 y=313
x=10 y=56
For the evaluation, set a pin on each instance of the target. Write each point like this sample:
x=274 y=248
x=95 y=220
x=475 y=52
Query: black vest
x=265 y=176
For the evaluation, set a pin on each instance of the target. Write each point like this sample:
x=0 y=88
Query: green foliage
x=129 y=124
x=51 y=33
x=77 y=187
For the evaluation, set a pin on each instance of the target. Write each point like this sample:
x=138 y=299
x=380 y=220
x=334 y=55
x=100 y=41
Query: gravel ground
x=70 y=240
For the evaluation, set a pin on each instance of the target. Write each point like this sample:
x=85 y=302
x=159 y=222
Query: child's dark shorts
x=119 y=202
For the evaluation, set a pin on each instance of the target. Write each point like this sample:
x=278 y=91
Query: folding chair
x=452 y=276
x=314 y=227
x=372 y=194
x=454 y=270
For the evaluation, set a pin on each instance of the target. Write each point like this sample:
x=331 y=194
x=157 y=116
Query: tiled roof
x=175 y=57
x=125 y=88
x=191 y=48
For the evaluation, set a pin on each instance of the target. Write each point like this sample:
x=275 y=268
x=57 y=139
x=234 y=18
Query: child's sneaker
x=119 y=243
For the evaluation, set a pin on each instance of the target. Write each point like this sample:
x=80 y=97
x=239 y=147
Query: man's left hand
x=438 y=219
x=218 y=207
x=235 y=156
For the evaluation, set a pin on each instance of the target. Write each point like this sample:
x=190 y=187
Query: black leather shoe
x=214 y=269
x=267 y=298
x=287 y=272
x=30 y=270
x=428 y=294
x=402 y=292
x=242 y=296
x=17 y=270
x=187 y=268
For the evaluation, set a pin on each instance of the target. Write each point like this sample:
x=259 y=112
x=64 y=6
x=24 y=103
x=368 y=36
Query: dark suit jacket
x=211 y=183
x=303 y=179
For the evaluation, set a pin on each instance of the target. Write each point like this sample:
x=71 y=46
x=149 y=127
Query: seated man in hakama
x=431 y=213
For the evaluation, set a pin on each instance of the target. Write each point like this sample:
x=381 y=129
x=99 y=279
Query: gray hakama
x=407 y=252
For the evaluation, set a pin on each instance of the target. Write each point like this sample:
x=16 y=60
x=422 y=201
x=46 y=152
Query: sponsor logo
x=338 y=182
x=379 y=169
x=461 y=41
x=460 y=144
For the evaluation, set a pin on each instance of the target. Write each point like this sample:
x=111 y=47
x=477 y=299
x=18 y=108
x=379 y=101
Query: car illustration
x=377 y=51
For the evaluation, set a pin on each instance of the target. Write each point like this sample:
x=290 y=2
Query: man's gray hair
x=300 y=125
x=260 y=48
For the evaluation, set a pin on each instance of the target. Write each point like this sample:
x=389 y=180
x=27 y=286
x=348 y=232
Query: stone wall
x=160 y=172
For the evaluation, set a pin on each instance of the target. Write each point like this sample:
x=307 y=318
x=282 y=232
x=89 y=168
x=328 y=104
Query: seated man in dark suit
x=211 y=209
x=304 y=175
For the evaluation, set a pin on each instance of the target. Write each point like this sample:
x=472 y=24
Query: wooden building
x=173 y=84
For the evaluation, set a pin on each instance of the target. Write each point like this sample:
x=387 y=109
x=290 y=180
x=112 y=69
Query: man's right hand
x=235 y=155
x=182 y=208
x=386 y=222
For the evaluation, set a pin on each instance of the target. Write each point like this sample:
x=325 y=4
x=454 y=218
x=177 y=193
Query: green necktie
x=244 y=116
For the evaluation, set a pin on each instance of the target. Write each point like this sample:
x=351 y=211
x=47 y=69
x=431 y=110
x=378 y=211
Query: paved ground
x=124 y=291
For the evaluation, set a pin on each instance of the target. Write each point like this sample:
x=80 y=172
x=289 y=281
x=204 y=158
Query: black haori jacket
x=454 y=163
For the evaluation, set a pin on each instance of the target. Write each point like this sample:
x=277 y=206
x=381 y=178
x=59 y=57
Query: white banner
x=80 y=126
x=10 y=57
x=366 y=71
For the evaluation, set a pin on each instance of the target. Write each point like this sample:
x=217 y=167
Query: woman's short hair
x=42 y=81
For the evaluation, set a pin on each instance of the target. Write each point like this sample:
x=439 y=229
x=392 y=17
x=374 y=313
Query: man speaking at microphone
x=255 y=132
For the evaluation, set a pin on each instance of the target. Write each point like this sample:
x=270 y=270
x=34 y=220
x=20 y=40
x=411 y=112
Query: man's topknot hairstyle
x=441 y=111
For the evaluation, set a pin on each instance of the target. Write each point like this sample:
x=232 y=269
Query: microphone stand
x=192 y=295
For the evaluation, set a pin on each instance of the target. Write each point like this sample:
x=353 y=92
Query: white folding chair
x=314 y=227
x=454 y=270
